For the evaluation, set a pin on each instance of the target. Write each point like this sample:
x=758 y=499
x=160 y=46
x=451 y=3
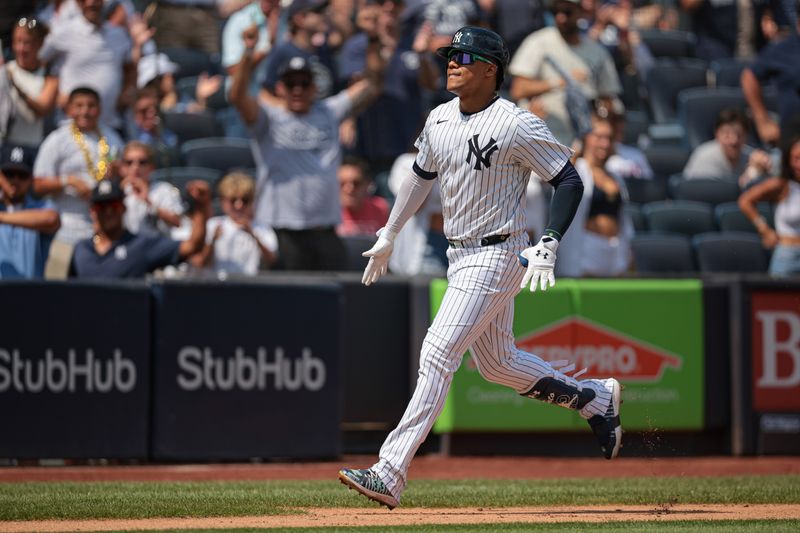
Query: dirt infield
x=428 y=467
x=411 y=516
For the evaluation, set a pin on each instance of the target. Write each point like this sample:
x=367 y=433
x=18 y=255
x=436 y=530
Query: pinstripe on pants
x=476 y=313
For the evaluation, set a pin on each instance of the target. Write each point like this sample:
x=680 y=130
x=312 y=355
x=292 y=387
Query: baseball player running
x=482 y=149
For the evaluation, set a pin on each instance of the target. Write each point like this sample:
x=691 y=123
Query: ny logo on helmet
x=483 y=154
x=457 y=37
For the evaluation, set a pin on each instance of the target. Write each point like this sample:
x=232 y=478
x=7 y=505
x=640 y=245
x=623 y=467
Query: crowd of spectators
x=331 y=95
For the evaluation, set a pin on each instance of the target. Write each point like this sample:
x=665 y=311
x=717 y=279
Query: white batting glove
x=540 y=261
x=378 y=257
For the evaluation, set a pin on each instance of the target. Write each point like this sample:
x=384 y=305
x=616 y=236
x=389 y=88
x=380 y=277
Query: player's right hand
x=378 y=257
x=540 y=261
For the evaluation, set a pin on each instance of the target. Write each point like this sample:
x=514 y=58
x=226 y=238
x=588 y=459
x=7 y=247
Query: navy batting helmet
x=480 y=41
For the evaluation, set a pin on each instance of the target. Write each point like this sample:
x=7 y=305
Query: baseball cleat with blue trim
x=368 y=483
x=607 y=428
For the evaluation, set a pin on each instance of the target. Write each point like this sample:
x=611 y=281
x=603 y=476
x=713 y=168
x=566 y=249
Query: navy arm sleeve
x=566 y=199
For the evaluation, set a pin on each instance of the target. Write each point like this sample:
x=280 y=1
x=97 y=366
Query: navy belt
x=484 y=241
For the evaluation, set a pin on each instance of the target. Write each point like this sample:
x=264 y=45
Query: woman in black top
x=607 y=229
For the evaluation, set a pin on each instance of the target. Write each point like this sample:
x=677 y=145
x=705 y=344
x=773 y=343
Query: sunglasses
x=109 y=204
x=149 y=110
x=466 y=58
x=29 y=23
x=243 y=199
x=142 y=162
x=303 y=84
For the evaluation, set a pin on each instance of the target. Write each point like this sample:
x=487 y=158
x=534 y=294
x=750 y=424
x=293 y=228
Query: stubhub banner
x=74 y=370
x=245 y=371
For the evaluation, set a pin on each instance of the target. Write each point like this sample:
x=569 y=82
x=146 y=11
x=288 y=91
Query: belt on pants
x=484 y=241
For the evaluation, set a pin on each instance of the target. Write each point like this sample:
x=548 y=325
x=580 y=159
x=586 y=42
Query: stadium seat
x=709 y=190
x=636 y=125
x=642 y=191
x=637 y=217
x=680 y=216
x=355 y=246
x=671 y=43
x=730 y=251
x=180 y=176
x=726 y=72
x=667 y=159
x=666 y=79
x=730 y=218
x=221 y=153
x=382 y=189
x=632 y=91
x=698 y=109
x=662 y=253
x=191 y=61
x=188 y=126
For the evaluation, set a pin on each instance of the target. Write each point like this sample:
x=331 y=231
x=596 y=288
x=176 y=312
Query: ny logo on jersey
x=483 y=155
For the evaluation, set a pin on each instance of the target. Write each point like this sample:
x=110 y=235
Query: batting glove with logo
x=378 y=257
x=540 y=261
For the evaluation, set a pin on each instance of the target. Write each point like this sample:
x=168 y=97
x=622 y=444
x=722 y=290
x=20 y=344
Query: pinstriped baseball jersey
x=483 y=161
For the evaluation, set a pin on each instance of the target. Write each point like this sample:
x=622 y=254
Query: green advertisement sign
x=646 y=333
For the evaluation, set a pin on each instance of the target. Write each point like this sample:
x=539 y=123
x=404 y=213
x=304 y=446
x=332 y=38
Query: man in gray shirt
x=296 y=146
x=726 y=156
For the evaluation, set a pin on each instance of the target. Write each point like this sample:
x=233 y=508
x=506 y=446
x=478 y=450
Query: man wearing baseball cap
x=114 y=252
x=297 y=139
x=27 y=224
x=306 y=23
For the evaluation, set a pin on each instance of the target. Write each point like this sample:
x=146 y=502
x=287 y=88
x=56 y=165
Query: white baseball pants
x=476 y=313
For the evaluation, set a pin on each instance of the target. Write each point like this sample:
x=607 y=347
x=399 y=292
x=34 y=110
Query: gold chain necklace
x=97 y=172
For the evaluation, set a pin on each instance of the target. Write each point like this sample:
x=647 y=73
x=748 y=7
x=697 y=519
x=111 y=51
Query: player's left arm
x=567 y=195
x=536 y=148
x=540 y=260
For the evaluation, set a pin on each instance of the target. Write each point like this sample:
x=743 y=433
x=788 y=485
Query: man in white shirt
x=72 y=159
x=88 y=50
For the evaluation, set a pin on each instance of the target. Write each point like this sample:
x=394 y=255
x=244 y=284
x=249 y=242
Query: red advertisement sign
x=776 y=351
x=601 y=350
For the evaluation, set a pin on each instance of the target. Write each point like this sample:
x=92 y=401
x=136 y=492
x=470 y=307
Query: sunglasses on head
x=466 y=58
x=26 y=22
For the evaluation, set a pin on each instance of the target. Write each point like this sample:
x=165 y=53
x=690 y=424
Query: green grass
x=35 y=501
x=722 y=526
